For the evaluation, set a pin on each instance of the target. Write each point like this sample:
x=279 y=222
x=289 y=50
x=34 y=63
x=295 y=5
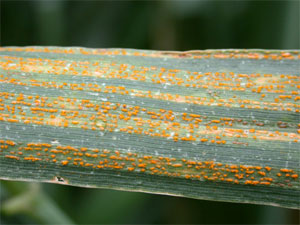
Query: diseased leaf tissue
x=219 y=125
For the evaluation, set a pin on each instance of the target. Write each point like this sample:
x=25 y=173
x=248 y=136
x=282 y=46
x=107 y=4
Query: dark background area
x=157 y=25
x=161 y=25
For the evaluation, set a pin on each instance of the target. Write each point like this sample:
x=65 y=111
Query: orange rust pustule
x=162 y=123
x=219 y=54
x=153 y=165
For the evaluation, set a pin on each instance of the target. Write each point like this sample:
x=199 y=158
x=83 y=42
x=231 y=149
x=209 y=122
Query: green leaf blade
x=219 y=124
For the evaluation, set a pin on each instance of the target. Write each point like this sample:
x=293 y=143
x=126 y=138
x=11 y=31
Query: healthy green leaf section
x=217 y=124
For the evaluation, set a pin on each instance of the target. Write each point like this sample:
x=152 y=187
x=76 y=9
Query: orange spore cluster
x=150 y=164
x=217 y=54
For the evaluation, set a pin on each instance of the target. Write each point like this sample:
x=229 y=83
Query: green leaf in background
x=217 y=125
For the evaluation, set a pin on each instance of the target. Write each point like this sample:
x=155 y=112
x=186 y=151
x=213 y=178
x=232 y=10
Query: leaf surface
x=217 y=124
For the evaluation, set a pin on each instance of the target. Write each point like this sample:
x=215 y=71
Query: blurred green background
x=160 y=25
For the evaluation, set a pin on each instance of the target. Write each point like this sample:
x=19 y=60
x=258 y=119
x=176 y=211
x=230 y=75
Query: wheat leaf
x=217 y=124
